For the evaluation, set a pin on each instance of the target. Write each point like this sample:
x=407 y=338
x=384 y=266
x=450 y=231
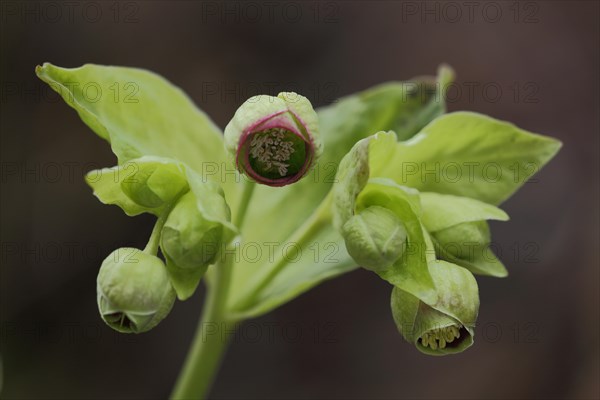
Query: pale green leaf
x=469 y=154
x=140 y=113
x=441 y=211
x=484 y=262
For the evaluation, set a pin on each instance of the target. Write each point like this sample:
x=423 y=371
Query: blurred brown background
x=533 y=63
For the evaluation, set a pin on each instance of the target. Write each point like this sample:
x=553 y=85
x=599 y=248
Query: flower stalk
x=210 y=340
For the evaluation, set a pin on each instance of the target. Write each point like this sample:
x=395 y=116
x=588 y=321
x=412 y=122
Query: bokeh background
x=533 y=63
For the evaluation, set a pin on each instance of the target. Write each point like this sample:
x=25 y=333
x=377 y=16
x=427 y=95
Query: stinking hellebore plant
x=355 y=175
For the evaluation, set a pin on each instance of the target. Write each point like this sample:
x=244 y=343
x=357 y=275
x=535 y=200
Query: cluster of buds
x=136 y=289
x=415 y=241
x=274 y=141
x=439 y=324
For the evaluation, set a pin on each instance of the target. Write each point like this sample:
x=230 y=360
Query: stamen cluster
x=272 y=150
x=439 y=338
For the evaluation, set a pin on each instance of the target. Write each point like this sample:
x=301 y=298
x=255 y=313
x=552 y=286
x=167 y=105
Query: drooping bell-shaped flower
x=445 y=326
x=134 y=292
x=275 y=140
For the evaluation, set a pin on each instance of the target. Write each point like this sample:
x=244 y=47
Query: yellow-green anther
x=464 y=240
x=134 y=292
x=440 y=338
x=433 y=344
x=375 y=238
x=275 y=140
x=152 y=184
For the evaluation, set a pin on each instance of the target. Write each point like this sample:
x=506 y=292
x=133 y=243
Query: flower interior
x=121 y=322
x=442 y=337
x=276 y=153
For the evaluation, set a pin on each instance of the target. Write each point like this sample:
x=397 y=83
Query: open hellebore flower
x=375 y=238
x=190 y=244
x=274 y=140
x=446 y=325
x=134 y=291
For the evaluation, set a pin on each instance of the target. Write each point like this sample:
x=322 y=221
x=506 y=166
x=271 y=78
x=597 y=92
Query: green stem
x=212 y=333
x=154 y=241
x=210 y=341
x=244 y=202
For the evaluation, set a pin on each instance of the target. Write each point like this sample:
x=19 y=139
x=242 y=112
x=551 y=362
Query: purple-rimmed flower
x=274 y=140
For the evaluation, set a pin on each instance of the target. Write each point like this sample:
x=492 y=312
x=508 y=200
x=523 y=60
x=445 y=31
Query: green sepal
x=133 y=291
x=185 y=281
x=456 y=305
x=354 y=192
x=375 y=238
x=146 y=184
x=154 y=185
x=190 y=243
x=409 y=271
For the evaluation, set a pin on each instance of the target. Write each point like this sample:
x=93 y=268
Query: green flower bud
x=187 y=238
x=153 y=185
x=465 y=239
x=134 y=291
x=274 y=140
x=375 y=238
x=443 y=327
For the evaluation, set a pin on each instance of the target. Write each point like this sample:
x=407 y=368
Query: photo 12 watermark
x=69 y=12
x=470 y=12
x=270 y=12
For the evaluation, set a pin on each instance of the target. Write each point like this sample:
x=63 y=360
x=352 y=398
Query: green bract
x=275 y=140
x=446 y=325
x=134 y=291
